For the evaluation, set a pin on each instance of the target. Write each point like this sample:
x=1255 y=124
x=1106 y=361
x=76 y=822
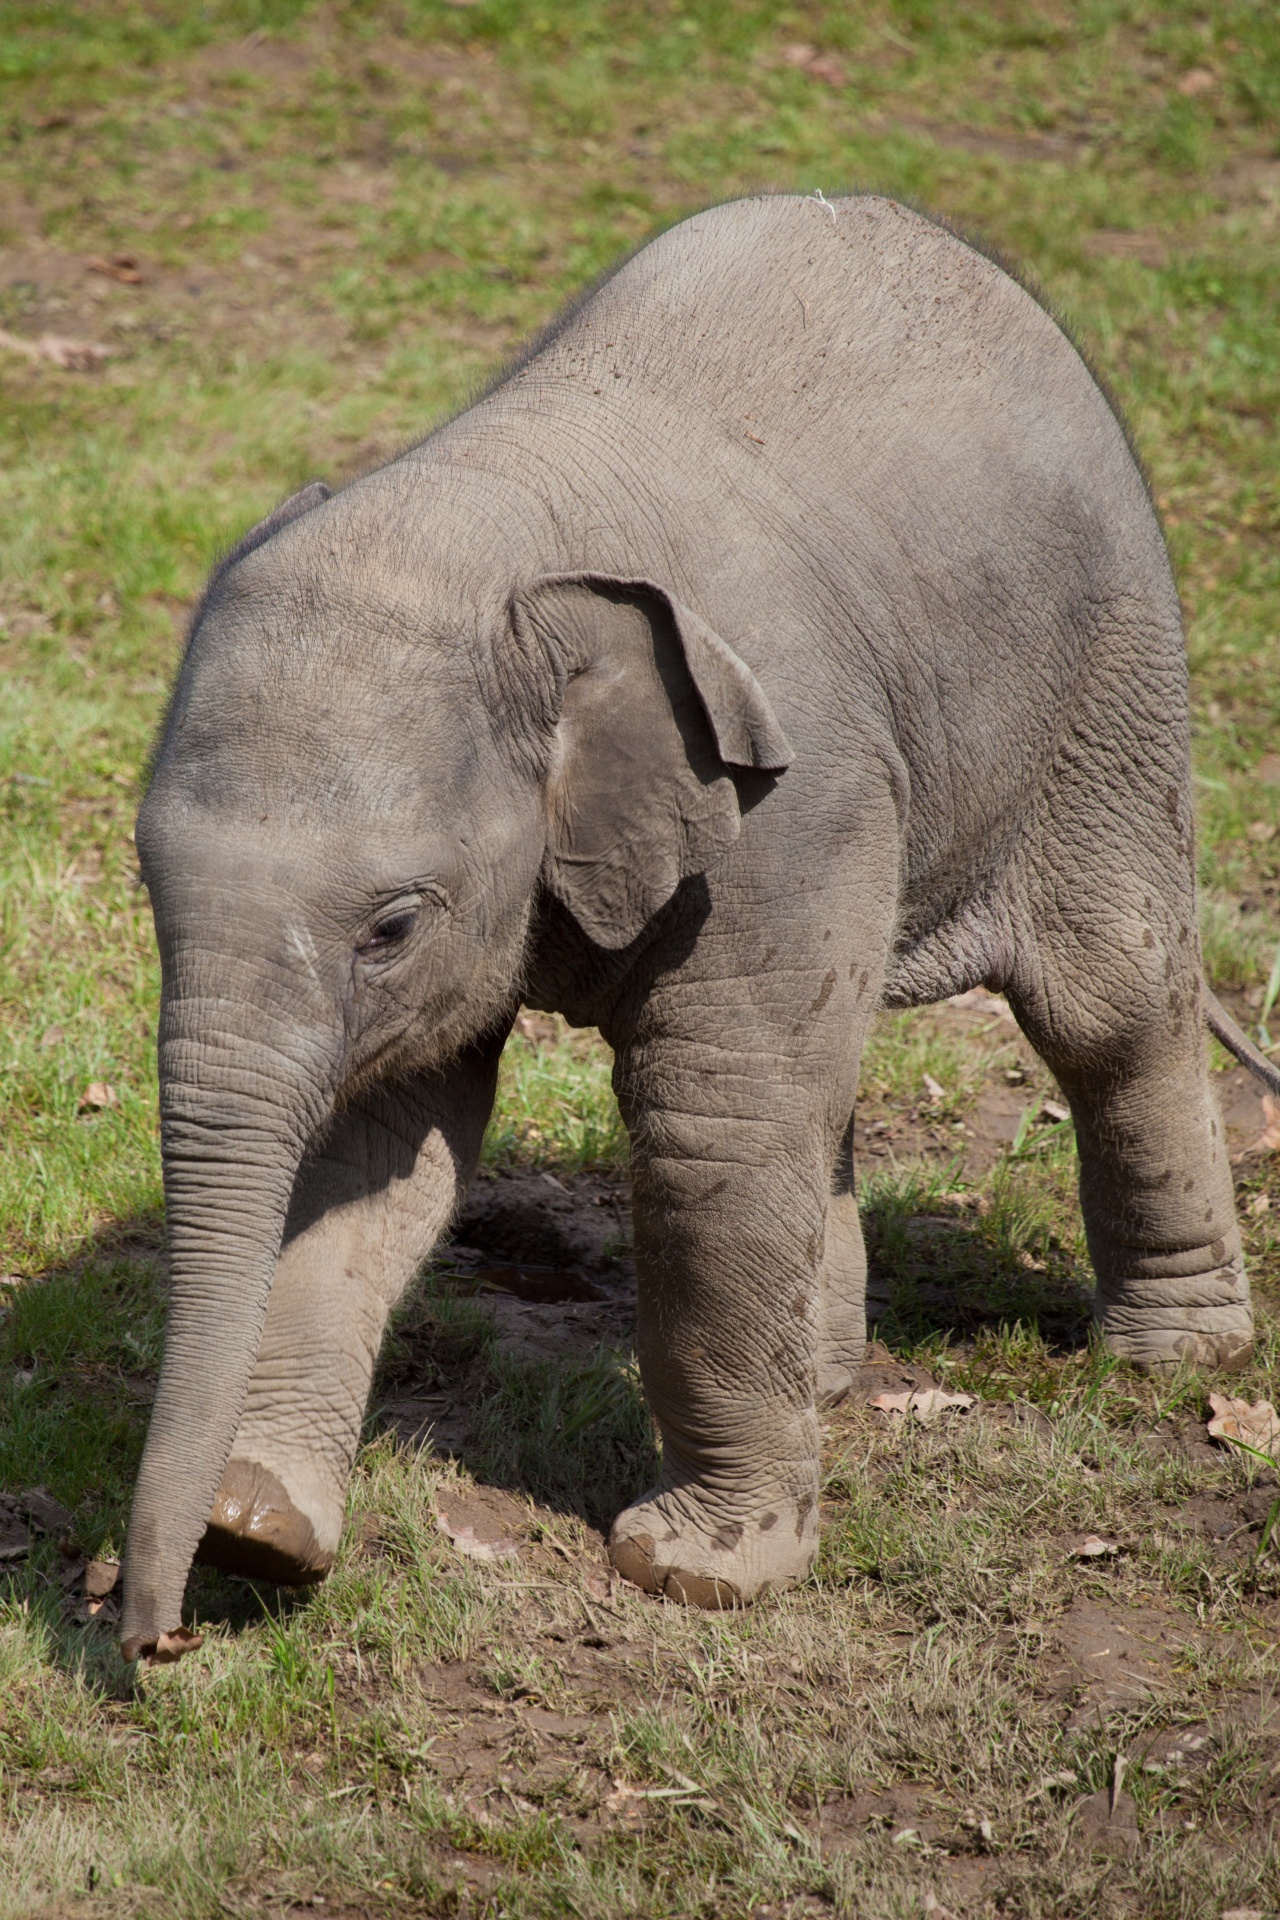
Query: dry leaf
x=465 y=1538
x=1092 y=1548
x=171 y=1646
x=1054 y=1110
x=73 y=356
x=982 y=1000
x=1199 y=80
x=933 y=1089
x=1236 y=1422
x=925 y=1404
x=819 y=66
x=124 y=267
x=1260 y=1204
x=1268 y=1141
x=97 y=1096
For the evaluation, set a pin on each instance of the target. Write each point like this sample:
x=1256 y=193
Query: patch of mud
x=899 y=1811
x=547 y=1259
x=577 y=1227
x=1103 y=1657
x=569 y=1331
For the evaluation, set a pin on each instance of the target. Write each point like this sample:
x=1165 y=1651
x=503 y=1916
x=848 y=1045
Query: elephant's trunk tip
x=164 y=1649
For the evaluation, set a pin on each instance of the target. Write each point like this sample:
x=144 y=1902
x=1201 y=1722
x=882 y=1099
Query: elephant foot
x=256 y=1530
x=667 y=1544
x=1203 y=1321
x=835 y=1377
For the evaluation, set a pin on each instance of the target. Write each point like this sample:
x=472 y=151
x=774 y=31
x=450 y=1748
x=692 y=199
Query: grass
x=344 y=218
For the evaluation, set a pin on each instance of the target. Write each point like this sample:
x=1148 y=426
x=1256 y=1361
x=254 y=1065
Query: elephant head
x=371 y=767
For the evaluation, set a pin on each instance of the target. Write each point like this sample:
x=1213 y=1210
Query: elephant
x=787 y=635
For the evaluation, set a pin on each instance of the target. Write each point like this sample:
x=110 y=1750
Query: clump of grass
x=555 y=1106
x=575 y=1435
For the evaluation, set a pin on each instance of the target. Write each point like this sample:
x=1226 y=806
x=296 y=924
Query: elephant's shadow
x=515 y=1354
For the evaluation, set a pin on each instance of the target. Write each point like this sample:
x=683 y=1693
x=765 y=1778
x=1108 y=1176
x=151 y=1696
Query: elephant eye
x=390 y=931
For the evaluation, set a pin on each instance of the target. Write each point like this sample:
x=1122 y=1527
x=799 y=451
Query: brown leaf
x=1236 y=1422
x=125 y=267
x=1268 y=1141
x=97 y=1096
x=819 y=66
x=171 y=1646
x=982 y=1000
x=925 y=1404
x=1197 y=81
x=827 y=68
x=473 y=1533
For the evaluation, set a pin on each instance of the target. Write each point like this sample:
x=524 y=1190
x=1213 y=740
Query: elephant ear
x=654 y=709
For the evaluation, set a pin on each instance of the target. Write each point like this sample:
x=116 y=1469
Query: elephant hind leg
x=1115 y=1011
x=843 y=1340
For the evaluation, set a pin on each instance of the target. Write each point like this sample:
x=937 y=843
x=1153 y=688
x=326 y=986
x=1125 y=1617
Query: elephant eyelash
x=393 y=926
x=390 y=932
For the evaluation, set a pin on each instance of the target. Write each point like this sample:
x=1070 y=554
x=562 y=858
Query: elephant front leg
x=367 y=1210
x=729 y=1249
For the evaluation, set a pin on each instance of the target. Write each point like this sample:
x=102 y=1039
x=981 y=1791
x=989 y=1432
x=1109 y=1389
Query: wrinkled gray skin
x=807 y=487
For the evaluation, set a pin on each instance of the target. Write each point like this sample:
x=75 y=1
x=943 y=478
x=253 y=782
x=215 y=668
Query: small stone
x=100 y=1577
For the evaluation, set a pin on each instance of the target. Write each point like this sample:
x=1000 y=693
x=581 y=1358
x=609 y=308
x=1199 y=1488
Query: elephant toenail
x=701 y=1590
x=633 y=1557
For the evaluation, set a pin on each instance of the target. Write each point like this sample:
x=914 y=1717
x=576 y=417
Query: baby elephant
x=787 y=636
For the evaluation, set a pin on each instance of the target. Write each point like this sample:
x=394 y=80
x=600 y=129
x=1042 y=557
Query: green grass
x=345 y=218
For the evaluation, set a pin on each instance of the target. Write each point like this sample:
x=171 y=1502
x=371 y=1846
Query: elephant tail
x=1236 y=1041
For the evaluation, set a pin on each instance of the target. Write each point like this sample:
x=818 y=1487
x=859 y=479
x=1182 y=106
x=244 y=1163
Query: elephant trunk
x=236 y=1117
